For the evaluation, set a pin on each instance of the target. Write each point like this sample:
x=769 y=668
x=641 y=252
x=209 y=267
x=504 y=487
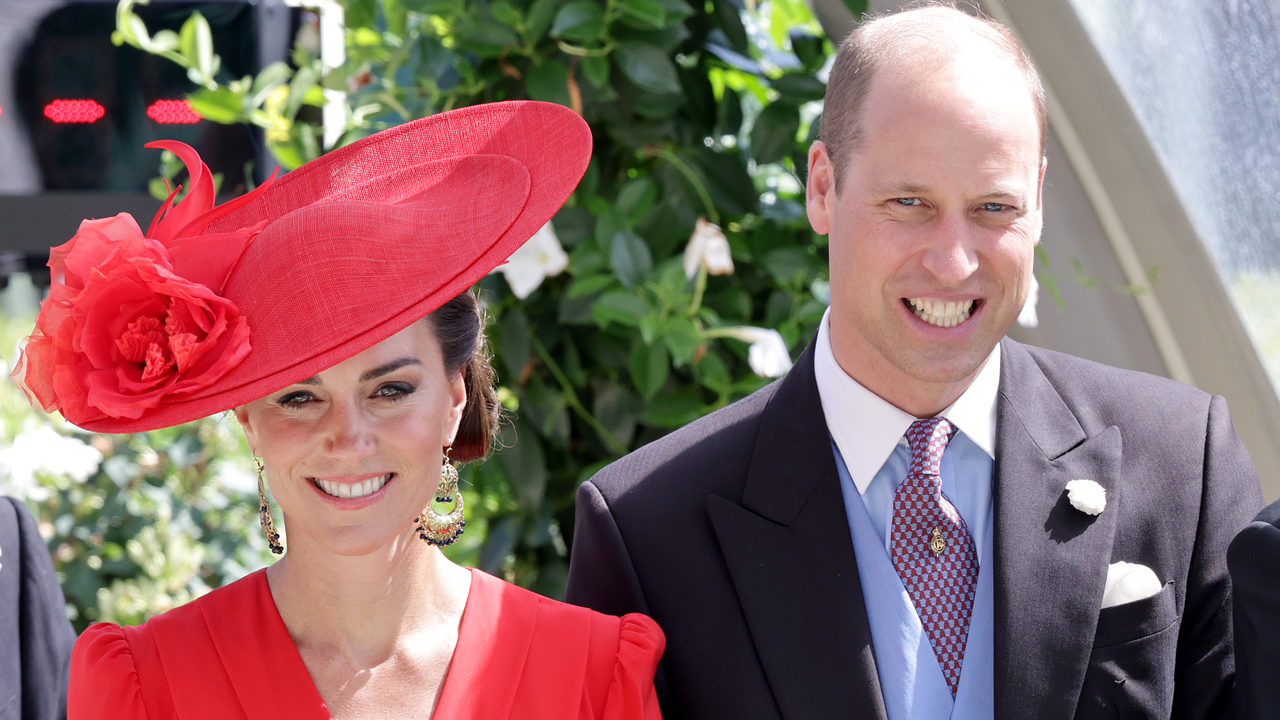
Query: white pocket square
x=1127 y=582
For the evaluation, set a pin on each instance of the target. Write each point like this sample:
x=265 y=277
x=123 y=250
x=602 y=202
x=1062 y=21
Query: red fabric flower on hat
x=132 y=319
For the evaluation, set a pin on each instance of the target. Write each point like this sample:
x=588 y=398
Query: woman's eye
x=296 y=399
x=910 y=201
x=394 y=391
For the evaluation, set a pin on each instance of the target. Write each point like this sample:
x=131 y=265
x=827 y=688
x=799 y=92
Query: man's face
x=932 y=234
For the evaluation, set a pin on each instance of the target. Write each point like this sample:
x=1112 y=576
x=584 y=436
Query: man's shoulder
x=697 y=457
x=1096 y=391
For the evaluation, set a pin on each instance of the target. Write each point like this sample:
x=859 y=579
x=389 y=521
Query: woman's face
x=353 y=453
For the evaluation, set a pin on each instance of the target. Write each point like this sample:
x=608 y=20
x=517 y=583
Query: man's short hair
x=929 y=28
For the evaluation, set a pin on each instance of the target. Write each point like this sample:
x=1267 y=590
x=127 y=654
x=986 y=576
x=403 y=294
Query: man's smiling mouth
x=941 y=313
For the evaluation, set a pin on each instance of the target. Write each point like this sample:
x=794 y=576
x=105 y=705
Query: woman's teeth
x=352 y=490
x=940 y=313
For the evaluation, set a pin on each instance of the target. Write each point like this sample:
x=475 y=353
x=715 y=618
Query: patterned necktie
x=932 y=550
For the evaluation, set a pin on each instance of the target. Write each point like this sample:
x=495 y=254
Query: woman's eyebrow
x=389 y=367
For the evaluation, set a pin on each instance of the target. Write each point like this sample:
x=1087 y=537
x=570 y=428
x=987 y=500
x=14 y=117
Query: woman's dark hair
x=459 y=328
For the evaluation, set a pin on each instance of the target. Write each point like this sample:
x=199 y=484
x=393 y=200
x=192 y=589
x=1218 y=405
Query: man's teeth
x=352 y=490
x=941 y=313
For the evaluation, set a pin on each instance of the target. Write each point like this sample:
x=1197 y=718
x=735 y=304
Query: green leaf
x=196 y=43
x=799 y=87
x=643 y=13
x=808 y=48
x=505 y=12
x=616 y=409
x=857 y=7
x=774 y=134
x=541 y=14
x=726 y=16
x=682 y=338
x=487 y=39
x=581 y=20
x=676 y=10
x=630 y=257
x=788 y=265
x=636 y=197
x=514 y=340
x=650 y=368
x=620 y=307
x=303 y=81
x=673 y=408
x=220 y=106
x=712 y=373
x=549 y=81
x=647 y=66
x=596 y=69
x=271 y=77
x=590 y=284
x=523 y=463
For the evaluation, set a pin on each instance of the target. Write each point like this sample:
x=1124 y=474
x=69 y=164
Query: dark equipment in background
x=76 y=110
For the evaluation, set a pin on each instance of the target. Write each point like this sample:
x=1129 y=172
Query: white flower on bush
x=707 y=246
x=1087 y=496
x=767 y=354
x=43 y=449
x=536 y=260
x=1028 y=317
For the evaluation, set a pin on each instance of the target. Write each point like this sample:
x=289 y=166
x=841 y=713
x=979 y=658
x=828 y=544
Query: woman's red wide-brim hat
x=214 y=307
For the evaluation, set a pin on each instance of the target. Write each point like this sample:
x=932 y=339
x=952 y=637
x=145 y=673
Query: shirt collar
x=866 y=428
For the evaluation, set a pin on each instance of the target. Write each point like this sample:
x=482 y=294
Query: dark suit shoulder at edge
x=1056 y=364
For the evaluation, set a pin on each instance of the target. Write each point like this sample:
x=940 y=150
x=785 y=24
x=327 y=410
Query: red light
x=74 y=111
x=170 y=112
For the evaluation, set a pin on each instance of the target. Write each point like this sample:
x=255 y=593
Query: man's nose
x=950 y=253
x=350 y=432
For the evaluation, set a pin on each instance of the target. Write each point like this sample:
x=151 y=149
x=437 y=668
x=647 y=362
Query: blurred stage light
x=74 y=111
x=173 y=112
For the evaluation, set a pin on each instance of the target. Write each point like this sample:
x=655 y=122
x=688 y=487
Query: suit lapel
x=1051 y=559
x=789 y=552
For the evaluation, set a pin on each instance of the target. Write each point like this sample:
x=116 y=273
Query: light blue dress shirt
x=911 y=680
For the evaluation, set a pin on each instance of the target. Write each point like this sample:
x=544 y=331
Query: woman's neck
x=363 y=608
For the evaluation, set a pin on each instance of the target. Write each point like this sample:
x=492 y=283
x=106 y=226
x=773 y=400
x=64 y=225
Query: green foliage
x=698 y=109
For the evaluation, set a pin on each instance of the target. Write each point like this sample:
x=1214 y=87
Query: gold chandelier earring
x=264 y=513
x=438 y=529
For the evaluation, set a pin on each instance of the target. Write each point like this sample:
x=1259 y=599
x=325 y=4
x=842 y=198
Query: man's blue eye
x=908 y=201
x=993 y=207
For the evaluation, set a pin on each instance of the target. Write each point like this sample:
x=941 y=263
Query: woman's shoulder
x=610 y=659
x=555 y=616
x=110 y=664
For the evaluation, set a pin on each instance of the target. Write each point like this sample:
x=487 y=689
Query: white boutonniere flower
x=1087 y=496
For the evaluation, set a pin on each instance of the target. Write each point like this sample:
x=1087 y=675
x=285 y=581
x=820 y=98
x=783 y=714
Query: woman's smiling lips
x=352 y=492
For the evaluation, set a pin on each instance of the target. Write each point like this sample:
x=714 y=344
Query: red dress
x=228 y=655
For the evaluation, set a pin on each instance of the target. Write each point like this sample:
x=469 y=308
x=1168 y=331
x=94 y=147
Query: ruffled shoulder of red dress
x=104 y=676
x=631 y=691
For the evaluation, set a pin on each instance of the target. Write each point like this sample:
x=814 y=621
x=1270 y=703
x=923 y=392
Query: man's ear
x=1044 y=164
x=820 y=191
x=246 y=424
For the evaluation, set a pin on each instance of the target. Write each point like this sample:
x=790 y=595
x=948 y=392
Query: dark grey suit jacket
x=35 y=637
x=1254 y=559
x=731 y=533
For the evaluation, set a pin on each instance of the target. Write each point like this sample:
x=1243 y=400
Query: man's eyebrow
x=905 y=189
x=388 y=368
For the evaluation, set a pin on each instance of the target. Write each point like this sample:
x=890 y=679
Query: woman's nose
x=350 y=432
